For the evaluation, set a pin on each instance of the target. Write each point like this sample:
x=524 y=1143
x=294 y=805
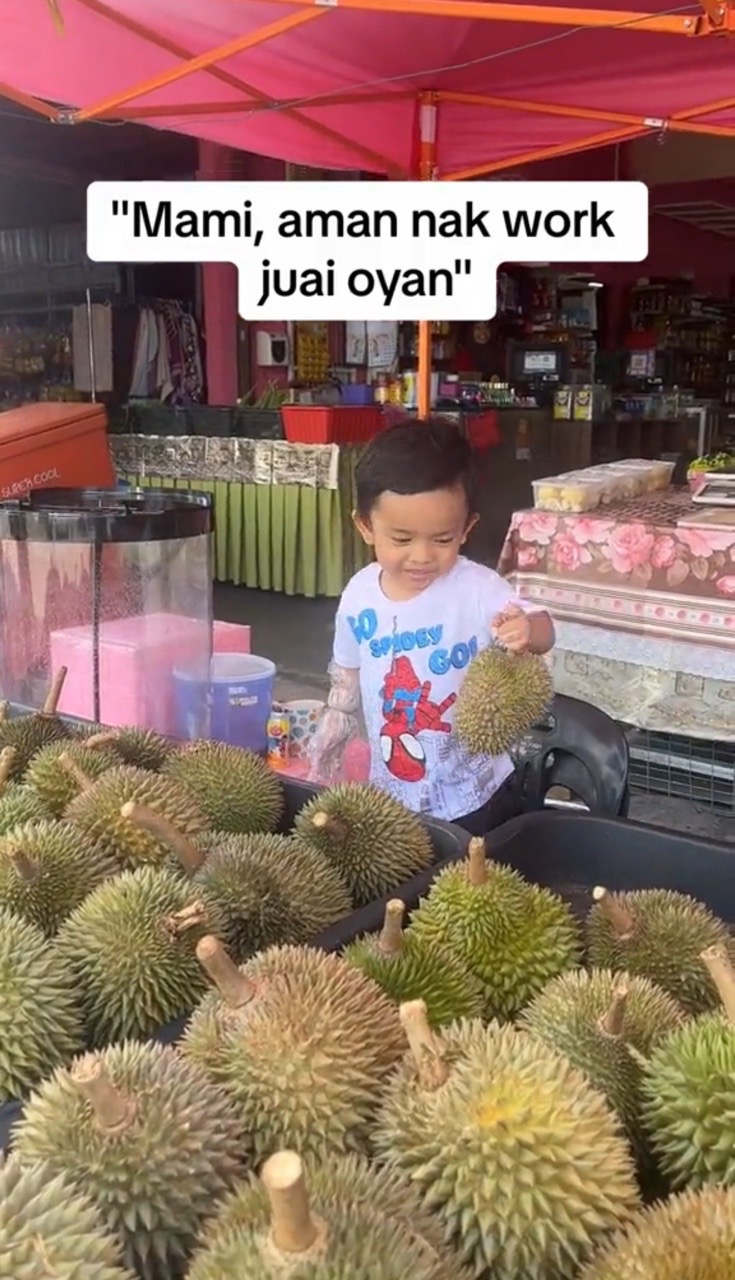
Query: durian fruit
x=266 y=888
x=407 y=968
x=235 y=789
x=141 y=748
x=47 y=869
x=18 y=803
x=131 y=948
x=31 y=732
x=689 y=1091
x=301 y=1040
x=658 y=934
x=594 y=1019
x=52 y=780
x=51 y=1231
x=40 y=1021
x=97 y=811
x=372 y=840
x=341 y=1219
x=502 y=697
x=688 y=1237
x=144 y=1133
x=522 y=1158
x=513 y=936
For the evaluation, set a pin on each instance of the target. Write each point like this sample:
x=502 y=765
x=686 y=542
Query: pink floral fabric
x=638 y=544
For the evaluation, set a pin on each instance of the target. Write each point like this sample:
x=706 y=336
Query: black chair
x=580 y=748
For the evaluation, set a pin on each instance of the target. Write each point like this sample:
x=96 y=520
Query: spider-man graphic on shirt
x=407 y=712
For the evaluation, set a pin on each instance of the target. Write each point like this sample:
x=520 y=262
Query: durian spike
x=639 y=1058
x=424 y=1045
x=722 y=974
x=7 y=759
x=51 y=704
x=236 y=990
x=100 y=740
x=620 y=918
x=335 y=827
x=25 y=868
x=83 y=781
x=187 y=853
x=113 y=1110
x=191 y=917
x=4 y=711
x=390 y=942
x=611 y=1023
x=293 y=1229
x=476 y=855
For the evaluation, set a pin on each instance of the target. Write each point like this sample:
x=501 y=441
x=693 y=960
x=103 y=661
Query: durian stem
x=390 y=942
x=51 y=704
x=293 y=1230
x=187 y=853
x=235 y=989
x=477 y=859
x=99 y=740
x=722 y=974
x=619 y=917
x=424 y=1045
x=25 y=868
x=4 y=711
x=191 y=917
x=113 y=1110
x=335 y=827
x=611 y=1023
x=83 y=781
x=7 y=758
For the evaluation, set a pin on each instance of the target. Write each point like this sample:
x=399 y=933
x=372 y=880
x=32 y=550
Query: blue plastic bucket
x=235 y=702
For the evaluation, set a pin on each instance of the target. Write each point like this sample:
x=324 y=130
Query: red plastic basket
x=331 y=424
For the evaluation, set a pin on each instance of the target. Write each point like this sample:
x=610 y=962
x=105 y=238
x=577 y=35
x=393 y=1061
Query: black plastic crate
x=571 y=852
x=258 y=424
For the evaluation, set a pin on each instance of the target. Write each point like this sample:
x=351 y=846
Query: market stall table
x=283 y=512
x=644 y=609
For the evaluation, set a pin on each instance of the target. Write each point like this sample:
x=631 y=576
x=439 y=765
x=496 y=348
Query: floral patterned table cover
x=645 y=609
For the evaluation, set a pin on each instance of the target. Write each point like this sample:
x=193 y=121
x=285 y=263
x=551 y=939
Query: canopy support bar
x=234 y=82
x=540 y=15
x=202 y=62
x=21 y=99
x=679 y=123
x=428 y=121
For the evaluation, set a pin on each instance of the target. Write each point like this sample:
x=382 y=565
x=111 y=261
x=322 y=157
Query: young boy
x=409 y=624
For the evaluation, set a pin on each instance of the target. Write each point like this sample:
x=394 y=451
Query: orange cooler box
x=54 y=446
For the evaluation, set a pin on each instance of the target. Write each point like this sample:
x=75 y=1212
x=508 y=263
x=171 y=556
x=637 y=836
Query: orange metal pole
x=251 y=104
x=201 y=63
x=35 y=105
x=226 y=77
x=539 y=15
x=428 y=111
x=679 y=123
x=547 y=153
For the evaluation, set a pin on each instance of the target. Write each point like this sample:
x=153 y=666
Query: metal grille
x=667 y=764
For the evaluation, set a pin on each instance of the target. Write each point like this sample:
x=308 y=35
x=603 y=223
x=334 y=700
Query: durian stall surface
x=107 y=834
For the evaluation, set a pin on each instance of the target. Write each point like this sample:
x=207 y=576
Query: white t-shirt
x=412 y=656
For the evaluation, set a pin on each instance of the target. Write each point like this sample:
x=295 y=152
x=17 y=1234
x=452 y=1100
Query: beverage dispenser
x=115 y=586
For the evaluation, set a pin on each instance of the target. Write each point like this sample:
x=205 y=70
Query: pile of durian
x=488 y=1090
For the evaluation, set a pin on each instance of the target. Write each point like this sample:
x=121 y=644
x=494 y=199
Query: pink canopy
x=335 y=83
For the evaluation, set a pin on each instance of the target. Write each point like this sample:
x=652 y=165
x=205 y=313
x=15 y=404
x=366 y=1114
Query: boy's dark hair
x=415 y=457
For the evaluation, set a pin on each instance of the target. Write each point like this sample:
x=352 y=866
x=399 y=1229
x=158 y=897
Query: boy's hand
x=512 y=629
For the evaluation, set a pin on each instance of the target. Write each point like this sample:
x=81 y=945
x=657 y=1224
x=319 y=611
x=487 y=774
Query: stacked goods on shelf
x=485 y=1088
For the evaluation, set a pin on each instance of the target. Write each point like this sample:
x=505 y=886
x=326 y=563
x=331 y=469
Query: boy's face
x=416 y=537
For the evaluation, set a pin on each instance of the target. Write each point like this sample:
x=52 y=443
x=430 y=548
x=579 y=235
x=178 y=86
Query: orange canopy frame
x=712 y=18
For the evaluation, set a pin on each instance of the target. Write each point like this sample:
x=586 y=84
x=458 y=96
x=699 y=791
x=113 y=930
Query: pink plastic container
x=230 y=637
x=137 y=656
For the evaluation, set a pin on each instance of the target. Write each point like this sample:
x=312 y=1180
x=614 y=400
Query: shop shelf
x=331 y=424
